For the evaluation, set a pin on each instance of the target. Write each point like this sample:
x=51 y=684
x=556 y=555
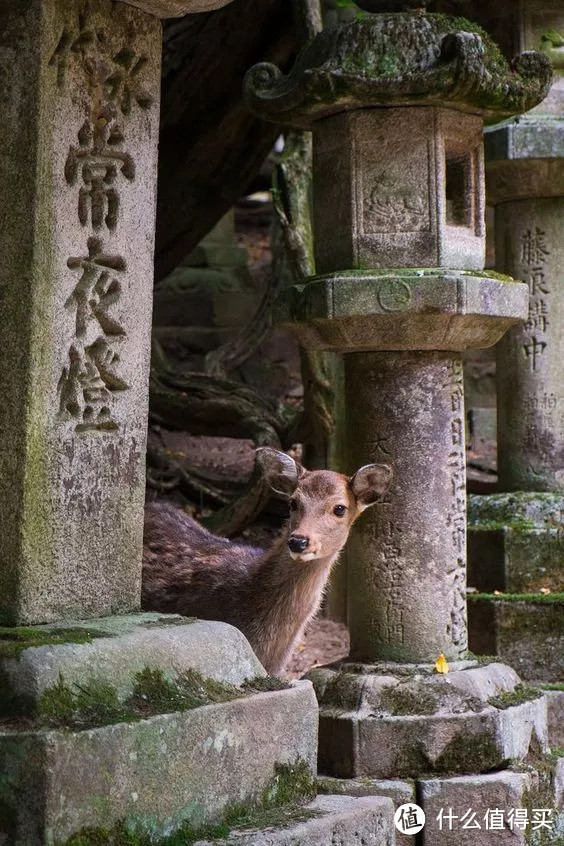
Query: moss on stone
x=401 y=701
x=13 y=640
x=469 y=753
x=278 y=805
x=508 y=698
x=553 y=686
x=534 y=598
x=264 y=684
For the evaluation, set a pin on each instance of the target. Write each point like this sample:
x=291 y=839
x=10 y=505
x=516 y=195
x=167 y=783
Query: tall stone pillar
x=517 y=536
x=396 y=105
x=80 y=114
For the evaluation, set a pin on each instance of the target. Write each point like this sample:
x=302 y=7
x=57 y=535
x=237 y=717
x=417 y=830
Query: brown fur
x=270 y=595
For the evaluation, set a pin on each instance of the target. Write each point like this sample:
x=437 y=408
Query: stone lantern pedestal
x=396 y=103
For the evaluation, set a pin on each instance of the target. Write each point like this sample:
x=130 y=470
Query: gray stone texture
x=479 y=794
x=530 y=246
x=176 y=8
x=555 y=718
x=412 y=309
x=170 y=644
x=336 y=820
x=156 y=773
x=407 y=557
x=527 y=633
x=388 y=721
x=400 y=792
x=516 y=542
x=78 y=162
x=423 y=208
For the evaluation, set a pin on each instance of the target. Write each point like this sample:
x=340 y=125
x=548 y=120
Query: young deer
x=270 y=595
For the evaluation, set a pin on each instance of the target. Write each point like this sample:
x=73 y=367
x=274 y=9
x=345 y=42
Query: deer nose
x=298 y=543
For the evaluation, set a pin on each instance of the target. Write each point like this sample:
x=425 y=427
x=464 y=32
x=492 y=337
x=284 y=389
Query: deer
x=271 y=594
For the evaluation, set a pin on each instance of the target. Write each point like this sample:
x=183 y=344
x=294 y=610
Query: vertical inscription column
x=407 y=556
x=530 y=246
x=76 y=294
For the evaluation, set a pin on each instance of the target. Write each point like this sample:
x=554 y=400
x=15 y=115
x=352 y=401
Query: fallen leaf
x=545 y=590
x=441 y=665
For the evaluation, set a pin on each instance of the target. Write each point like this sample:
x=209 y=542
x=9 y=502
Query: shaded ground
x=324 y=642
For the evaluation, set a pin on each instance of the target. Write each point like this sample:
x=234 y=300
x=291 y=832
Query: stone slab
x=76 y=287
x=527 y=633
x=354 y=821
x=153 y=774
x=463 y=794
x=415 y=309
x=176 y=8
x=409 y=724
x=401 y=792
x=555 y=716
x=132 y=643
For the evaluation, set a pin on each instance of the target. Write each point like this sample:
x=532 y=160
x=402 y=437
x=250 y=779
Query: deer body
x=270 y=595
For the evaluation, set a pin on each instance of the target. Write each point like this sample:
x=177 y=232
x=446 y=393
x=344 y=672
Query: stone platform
x=147 y=721
x=401 y=721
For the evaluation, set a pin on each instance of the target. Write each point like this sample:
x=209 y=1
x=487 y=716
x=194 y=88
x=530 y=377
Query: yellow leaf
x=441 y=665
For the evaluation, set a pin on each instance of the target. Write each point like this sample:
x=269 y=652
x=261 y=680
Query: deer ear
x=279 y=470
x=370 y=483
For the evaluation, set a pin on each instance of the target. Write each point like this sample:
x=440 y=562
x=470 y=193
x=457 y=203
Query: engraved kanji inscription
x=97 y=161
x=124 y=85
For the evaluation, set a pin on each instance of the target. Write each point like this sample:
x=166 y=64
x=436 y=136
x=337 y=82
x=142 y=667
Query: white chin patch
x=303 y=556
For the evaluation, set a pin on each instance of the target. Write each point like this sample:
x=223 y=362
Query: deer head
x=323 y=504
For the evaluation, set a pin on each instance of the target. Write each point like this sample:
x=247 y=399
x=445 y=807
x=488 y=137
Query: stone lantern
x=517 y=535
x=396 y=102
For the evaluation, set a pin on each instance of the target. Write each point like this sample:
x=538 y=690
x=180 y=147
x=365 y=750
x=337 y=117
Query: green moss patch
x=535 y=598
x=15 y=640
x=401 y=701
x=278 y=805
x=521 y=693
x=96 y=703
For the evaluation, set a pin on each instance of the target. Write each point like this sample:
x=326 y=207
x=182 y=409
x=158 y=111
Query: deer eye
x=339 y=510
x=293 y=505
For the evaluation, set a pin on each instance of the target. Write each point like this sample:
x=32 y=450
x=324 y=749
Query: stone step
x=525 y=631
x=516 y=542
x=346 y=820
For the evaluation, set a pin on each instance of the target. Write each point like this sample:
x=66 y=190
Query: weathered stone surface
x=555 y=717
x=354 y=821
x=516 y=542
x=436 y=309
x=527 y=633
x=176 y=8
x=398 y=554
x=529 y=245
x=397 y=60
x=424 y=208
x=464 y=795
x=385 y=721
x=156 y=773
x=171 y=644
x=80 y=107
x=400 y=792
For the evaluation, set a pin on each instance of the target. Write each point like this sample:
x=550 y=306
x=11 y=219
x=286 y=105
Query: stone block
x=176 y=8
x=526 y=631
x=516 y=542
x=467 y=795
x=81 y=100
x=120 y=648
x=374 y=722
x=403 y=310
x=401 y=792
x=154 y=774
x=555 y=717
x=354 y=821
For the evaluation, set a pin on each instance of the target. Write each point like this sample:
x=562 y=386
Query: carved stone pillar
x=78 y=151
x=516 y=536
x=395 y=103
